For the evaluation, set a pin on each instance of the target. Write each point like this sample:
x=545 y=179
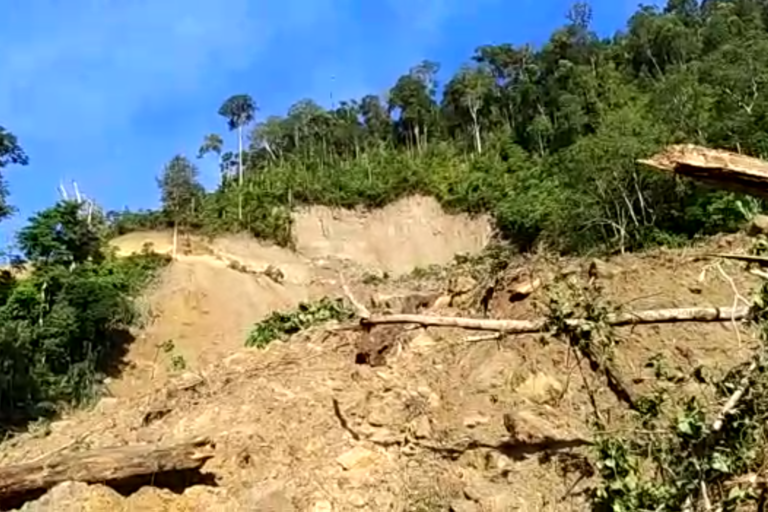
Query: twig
x=736 y=298
x=484 y=337
x=362 y=311
x=705 y=497
x=343 y=421
x=734 y=399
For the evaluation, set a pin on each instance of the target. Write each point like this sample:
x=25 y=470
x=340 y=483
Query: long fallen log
x=653 y=316
x=103 y=466
x=714 y=167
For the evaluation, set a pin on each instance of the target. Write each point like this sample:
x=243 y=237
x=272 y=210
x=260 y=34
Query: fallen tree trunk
x=105 y=465
x=714 y=167
x=653 y=316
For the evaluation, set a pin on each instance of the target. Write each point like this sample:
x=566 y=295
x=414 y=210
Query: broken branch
x=714 y=167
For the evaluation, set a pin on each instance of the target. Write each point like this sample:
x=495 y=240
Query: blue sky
x=105 y=92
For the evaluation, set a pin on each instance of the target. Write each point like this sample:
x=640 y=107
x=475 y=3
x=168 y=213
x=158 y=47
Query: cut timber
x=714 y=167
x=531 y=326
x=105 y=465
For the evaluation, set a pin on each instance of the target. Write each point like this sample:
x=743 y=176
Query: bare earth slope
x=301 y=427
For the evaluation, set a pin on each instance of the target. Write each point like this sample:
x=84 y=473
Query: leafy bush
x=63 y=324
x=282 y=324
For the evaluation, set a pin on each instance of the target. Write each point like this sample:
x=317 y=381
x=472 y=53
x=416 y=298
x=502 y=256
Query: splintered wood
x=714 y=167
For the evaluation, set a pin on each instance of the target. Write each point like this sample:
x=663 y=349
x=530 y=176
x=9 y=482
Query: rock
x=540 y=388
x=570 y=269
x=187 y=381
x=522 y=289
x=601 y=269
x=442 y=302
x=526 y=427
x=475 y=420
x=422 y=428
x=501 y=502
x=464 y=506
x=461 y=284
x=422 y=340
x=106 y=405
x=385 y=437
x=379 y=416
x=274 y=274
x=75 y=497
x=357 y=457
x=357 y=500
x=322 y=506
x=758 y=225
x=269 y=497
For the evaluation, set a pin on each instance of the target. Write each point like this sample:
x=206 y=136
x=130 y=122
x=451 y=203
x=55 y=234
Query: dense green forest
x=545 y=139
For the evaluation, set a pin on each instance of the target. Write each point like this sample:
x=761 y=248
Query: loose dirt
x=300 y=426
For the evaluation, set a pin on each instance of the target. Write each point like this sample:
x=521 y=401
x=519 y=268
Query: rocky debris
x=268 y=497
x=274 y=274
x=79 y=497
x=462 y=290
x=356 y=458
x=464 y=505
x=599 y=269
x=408 y=303
x=475 y=420
x=322 y=506
x=540 y=388
x=758 y=225
x=373 y=345
x=522 y=288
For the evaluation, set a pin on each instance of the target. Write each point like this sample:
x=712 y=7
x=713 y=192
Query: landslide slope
x=302 y=426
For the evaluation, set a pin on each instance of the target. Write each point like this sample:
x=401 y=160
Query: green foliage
x=282 y=324
x=11 y=153
x=63 y=324
x=180 y=191
x=60 y=236
x=238 y=110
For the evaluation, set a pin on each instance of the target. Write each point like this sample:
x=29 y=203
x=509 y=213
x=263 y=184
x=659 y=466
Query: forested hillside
x=66 y=304
x=544 y=138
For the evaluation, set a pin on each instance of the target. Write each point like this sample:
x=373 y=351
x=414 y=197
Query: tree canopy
x=545 y=139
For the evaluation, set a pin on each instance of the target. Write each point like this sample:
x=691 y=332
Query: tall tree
x=61 y=236
x=179 y=191
x=239 y=110
x=213 y=143
x=467 y=93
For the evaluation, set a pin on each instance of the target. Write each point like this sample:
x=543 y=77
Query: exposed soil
x=300 y=426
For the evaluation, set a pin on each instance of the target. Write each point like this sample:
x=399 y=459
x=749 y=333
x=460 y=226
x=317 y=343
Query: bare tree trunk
x=175 y=237
x=110 y=465
x=532 y=326
x=476 y=130
x=240 y=172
